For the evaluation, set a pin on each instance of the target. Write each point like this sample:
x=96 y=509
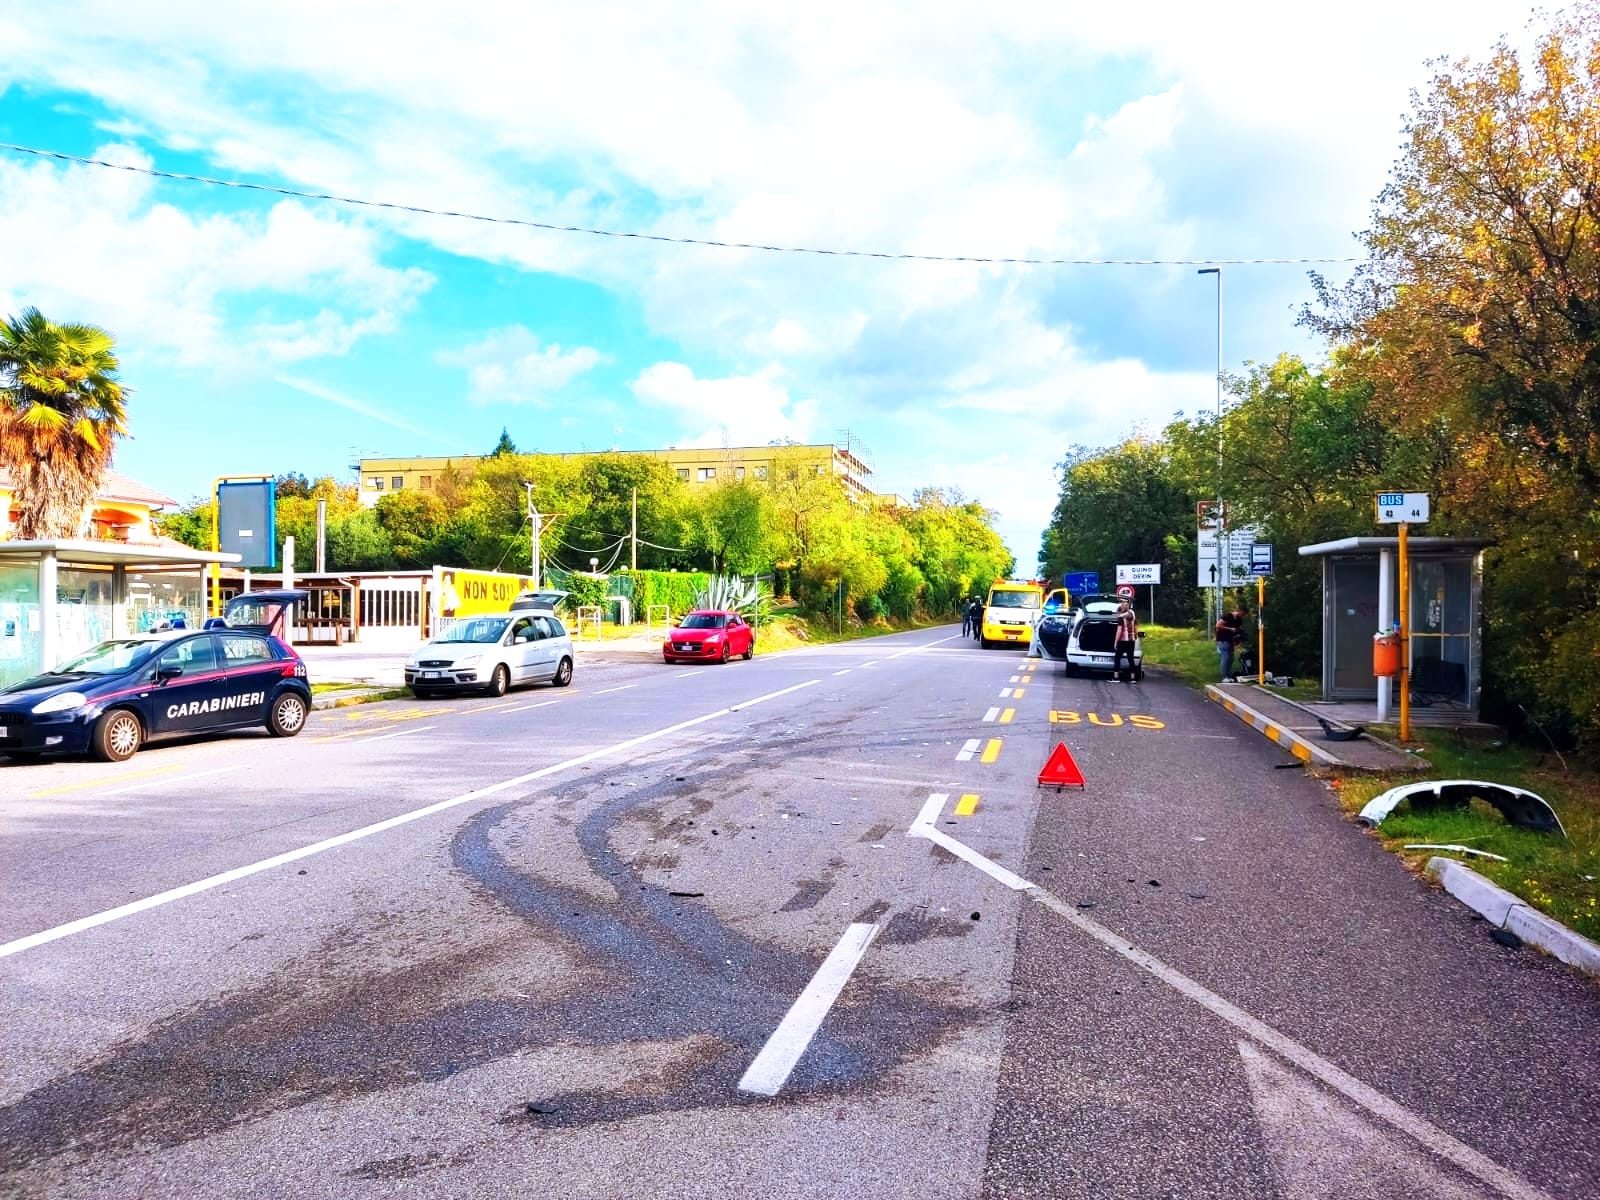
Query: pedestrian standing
x=1225 y=635
x=977 y=618
x=1127 y=639
x=966 y=618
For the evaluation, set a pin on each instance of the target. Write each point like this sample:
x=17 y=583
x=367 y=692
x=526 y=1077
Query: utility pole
x=534 y=522
x=633 y=561
x=322 y=535
x=1223 y=558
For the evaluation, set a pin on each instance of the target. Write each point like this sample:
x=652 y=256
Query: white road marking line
x=541 y=704
x=162 y=782
x=925 y=646
x=923 y=827
x=967 y=751
x=770 y=1069
x=1005 y=693
x=1504 y=1181
x=1015 y=679
x=684 y=674
x=95 y=920
x=608 y=691
x=384 y=737
x=930 y=812
x=846 y=671
x=865 y=665
x=991 y=714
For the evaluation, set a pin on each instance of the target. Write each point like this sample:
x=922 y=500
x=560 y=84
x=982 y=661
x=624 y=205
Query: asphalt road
x=798 y=927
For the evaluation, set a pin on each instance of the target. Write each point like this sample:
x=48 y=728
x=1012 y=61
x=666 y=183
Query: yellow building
x=381 y=476
x=123 y=510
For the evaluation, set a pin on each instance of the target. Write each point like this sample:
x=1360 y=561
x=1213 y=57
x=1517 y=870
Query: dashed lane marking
x=769 y=1071
x=384 y=737
x=992 y=750
x=967 y=805
x=1005 y=693
x=526 y=707
x=63 y=788
x=1006 y=715
x=1018 y=693
x=967 y=750
x=991 y=714
x=150 y=783
x=1015 y=679
x=865 y=665
x=608 y=691
x=105 y=917
x=684 y=674
x=846 y=671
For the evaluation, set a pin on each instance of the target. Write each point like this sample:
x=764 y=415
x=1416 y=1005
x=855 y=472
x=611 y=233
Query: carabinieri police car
x=113 y=698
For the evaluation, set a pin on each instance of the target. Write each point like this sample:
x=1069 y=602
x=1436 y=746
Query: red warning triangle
x=1060 y=770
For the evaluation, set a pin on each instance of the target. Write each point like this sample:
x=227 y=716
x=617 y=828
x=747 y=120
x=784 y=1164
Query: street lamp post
x=1222 y=523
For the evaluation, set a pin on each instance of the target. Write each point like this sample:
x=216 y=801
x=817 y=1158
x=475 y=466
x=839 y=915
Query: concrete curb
x=1287 y=738
x=346 y=697
x=1508 y=911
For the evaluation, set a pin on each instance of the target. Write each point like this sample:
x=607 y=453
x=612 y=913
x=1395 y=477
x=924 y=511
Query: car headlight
x=470 y=660
x=61 y=702
x=715 y=637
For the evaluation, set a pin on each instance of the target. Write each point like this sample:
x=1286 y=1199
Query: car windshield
x=703 y=621
x=484 y=630
x=109 y=658
x=1013 y=599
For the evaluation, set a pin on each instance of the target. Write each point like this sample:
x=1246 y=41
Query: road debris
x=1517 y=805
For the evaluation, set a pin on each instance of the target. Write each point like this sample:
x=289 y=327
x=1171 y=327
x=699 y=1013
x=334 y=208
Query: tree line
x=1463 y=360
x=796 y=525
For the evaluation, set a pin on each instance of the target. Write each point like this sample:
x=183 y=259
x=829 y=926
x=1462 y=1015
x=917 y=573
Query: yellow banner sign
x=462 y=593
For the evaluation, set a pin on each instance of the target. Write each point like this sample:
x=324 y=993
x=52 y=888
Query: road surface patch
x=105 y=917
x=769 y=1071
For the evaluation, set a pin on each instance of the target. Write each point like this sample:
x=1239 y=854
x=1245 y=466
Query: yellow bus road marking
x=967 y=805
x=365 y=730
x=992 y=750
x=1112 y=721
x=117 y=777
x=1005 y=717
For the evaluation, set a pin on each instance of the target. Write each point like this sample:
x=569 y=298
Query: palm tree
x=60 y=411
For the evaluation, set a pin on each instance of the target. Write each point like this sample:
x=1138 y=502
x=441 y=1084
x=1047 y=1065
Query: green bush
x=676 y=589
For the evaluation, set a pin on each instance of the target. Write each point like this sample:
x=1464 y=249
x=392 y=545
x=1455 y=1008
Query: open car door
x=267 y=613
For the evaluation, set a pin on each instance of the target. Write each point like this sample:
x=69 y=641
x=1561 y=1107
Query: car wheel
x=563 y=675
x=288 y=716
x=117 y=736
x=500 y=681
x=750 y=650
x=723 y=657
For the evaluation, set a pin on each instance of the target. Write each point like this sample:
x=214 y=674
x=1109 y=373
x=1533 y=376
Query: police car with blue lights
x=113 y=698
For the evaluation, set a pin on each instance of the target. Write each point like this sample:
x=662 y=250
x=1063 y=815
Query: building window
x=425 y=482
x=375 y=484
x=761 y=472
x=707 y=474
x=397 y=482
x=683 y=474
x=738 y=472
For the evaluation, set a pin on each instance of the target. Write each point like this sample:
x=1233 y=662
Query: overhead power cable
x=634 y=235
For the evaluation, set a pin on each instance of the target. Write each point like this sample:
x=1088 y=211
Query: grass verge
x=1186 y=653
x=1560 y=877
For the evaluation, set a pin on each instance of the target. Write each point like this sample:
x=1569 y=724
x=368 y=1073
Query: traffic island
x=1297 y=729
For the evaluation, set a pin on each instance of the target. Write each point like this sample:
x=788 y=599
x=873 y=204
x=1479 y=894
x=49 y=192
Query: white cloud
x=512 y=366
x=88 y=244
x=739 y=410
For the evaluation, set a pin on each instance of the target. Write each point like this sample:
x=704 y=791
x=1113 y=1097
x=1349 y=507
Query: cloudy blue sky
x=264 y=334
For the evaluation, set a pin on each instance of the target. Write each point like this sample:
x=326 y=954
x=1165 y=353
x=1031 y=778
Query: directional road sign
x=1081 y=583
x=1235 y=559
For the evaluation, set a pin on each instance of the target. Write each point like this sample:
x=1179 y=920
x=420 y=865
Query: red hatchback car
x=709 y=634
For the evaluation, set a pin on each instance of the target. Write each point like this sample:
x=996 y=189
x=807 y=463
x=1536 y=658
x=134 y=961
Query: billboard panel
x=247 y=521
x=463 y=593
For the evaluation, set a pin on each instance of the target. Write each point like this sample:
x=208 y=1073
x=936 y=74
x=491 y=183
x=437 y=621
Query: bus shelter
x=58 y=598
x=1361 y=596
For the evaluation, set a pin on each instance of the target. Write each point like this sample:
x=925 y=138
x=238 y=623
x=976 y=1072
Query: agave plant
x=733 y=593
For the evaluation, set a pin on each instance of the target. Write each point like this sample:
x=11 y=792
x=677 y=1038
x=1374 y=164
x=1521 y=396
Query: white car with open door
x=493 y=653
